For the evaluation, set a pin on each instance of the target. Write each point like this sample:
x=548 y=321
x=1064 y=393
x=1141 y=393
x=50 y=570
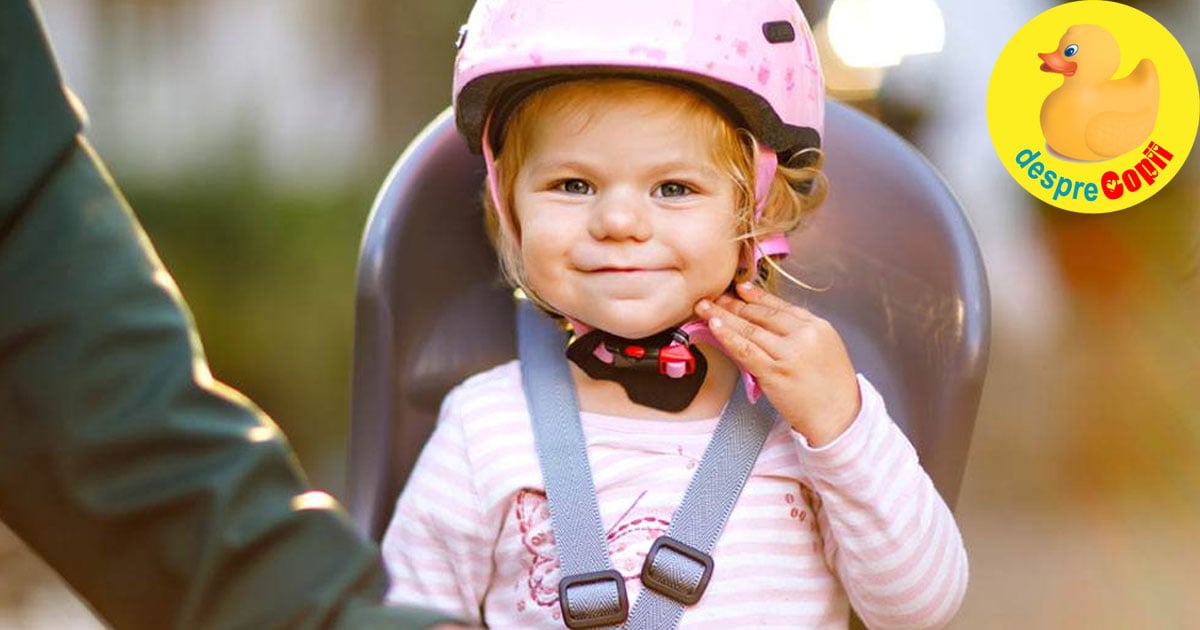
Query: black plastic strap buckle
x=677 y=570
x=593 y=605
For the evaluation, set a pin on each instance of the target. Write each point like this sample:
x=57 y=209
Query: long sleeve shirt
x=856 y=522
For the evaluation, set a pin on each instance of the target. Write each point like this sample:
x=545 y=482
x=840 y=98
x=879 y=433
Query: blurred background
x=251 y=138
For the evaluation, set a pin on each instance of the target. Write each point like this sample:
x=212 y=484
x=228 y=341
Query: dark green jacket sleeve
x=164 y=498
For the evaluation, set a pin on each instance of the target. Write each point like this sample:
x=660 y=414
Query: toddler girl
x=644 y=160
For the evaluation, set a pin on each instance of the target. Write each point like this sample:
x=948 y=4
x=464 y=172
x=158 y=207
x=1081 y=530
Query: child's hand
x=798 y=358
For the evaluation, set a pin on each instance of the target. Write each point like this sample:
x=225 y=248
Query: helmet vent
x=779 y=32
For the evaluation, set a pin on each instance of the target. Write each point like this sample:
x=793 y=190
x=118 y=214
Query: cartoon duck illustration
x=1093 y=116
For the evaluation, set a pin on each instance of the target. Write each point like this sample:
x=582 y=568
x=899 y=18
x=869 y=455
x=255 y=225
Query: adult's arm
x=164 y=498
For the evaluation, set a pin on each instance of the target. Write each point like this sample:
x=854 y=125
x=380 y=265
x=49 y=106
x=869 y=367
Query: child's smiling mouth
x=626 y=272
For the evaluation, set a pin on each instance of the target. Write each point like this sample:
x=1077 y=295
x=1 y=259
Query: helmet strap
x=664 y=371
x=493 y=179
x=774 y=244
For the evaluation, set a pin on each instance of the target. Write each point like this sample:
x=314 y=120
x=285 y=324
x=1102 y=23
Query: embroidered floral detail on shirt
x=628 y=541
x=691 y=461
x=799 y=512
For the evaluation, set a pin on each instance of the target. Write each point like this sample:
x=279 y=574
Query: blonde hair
x=798 y=188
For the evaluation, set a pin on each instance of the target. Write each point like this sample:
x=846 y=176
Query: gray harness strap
x=591 y=593
x=679 y=564
x=678 y=568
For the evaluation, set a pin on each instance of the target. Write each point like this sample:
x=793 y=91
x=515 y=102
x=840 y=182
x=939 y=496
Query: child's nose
x=619 y=216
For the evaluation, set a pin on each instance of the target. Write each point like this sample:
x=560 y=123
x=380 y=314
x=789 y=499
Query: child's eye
x=673 y=189
x=575 y=187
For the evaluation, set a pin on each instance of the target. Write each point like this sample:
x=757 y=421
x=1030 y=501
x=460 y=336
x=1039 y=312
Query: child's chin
x=636 y=329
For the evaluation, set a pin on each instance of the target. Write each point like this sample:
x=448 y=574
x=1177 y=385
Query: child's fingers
x=769 y=311
x=739 y=331
x=771 y=318
x=747 y=353
x=756 y=295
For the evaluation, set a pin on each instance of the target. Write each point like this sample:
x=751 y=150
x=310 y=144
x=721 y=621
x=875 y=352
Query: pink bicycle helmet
x=755 y=58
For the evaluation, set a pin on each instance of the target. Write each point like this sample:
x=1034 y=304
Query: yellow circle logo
x=1093 y=106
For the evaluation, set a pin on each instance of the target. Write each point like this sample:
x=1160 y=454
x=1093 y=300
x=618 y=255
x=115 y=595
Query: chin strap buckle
x=675 y=360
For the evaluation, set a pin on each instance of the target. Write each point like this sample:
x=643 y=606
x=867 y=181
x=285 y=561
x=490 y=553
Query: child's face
x=625 y=220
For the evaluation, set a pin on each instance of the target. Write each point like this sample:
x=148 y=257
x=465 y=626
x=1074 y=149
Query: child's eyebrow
x=562 y=165
x=691 y=167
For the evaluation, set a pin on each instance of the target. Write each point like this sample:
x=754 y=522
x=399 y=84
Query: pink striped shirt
x=855 y=522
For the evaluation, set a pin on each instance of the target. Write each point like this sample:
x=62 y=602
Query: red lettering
x=1155 y=148
x=1110 y=183
x=1147 y=171
x=1131 y=179
x=1154 y=156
